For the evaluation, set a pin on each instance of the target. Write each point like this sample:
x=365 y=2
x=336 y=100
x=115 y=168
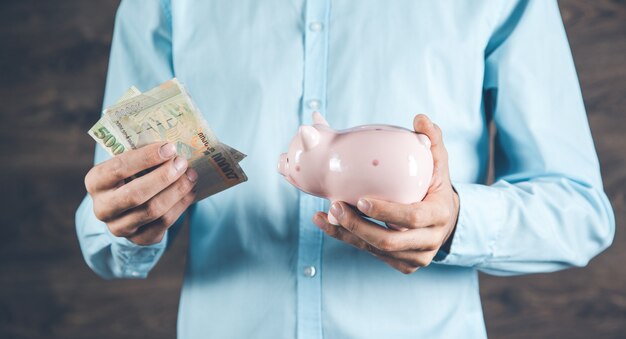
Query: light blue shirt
x=258 y=69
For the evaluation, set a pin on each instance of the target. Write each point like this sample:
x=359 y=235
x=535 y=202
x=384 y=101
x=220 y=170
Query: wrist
x=447 y=243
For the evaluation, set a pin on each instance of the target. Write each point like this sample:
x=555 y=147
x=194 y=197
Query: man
x=259 y=266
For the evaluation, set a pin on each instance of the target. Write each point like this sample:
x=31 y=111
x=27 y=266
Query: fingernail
x=179 y=164
x=167 y=151
x=336 y=210
x=192 y=175
x=364 y=205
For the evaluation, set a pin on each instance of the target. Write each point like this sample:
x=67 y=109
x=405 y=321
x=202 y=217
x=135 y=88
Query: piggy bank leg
x=331 y=218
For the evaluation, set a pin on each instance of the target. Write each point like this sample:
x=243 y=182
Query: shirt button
x=314 y=104
x=309 y=271
x=315 y=26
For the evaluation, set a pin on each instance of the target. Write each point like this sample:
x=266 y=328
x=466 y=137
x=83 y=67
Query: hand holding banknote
x=144 y=208
x=155 y=137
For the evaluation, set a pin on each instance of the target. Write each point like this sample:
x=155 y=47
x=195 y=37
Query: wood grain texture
x=52 y=70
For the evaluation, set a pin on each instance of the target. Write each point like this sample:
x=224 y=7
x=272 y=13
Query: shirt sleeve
x=141 y=55
x=547 y=209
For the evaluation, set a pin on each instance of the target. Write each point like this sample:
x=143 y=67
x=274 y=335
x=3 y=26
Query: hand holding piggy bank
x=379 y=161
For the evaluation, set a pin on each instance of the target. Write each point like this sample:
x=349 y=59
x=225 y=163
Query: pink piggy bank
x=378 y=161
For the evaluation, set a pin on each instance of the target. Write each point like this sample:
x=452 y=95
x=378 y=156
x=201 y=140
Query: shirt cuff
x=482 y=212
x=132 y=260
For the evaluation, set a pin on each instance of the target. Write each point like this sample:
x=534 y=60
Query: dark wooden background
x=53 y=59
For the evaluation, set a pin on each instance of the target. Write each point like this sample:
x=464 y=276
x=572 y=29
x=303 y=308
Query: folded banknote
x=167 y=113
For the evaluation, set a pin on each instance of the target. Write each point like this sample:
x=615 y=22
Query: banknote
x=114 y=147
x=167 y=113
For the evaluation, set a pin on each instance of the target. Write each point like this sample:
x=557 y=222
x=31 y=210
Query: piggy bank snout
x=283 y=164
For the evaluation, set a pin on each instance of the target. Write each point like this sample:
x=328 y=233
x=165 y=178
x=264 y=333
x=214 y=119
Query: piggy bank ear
x=309 y=136
x=318 y=119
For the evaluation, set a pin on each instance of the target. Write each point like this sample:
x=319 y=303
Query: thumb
x=422 y=124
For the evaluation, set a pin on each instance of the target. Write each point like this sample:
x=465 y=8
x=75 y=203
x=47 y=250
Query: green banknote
x=104 y=134
x=167 y=113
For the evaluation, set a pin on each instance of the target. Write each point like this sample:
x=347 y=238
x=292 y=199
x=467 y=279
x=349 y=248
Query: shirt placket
x=309 y=270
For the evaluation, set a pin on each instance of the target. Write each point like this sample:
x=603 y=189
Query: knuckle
x=130 y=196
x=422 y=261
x=376 y=210
x=119 y=231
x=168 y=219
x=188 y=199
x=408 y=270
x=165 y=175
x=414 y=216
x=387 y=244
x=117 y=166
x=431 y=246
x=351 y=224
x=444 y=215
x=436 y=242
x=362 y=245
x=341 y=234
x=150 y=156
x=183 y=186
x=115 y=231
x=437 y=128
x=90 y=180
x=372 y=249
x=152 y=210
x=332 y=231
x=99 y=212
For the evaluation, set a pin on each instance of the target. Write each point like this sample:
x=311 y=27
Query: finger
x=137 y=192
x=396 y=227
x=422 y=124
x=384 y=239
x=339 y=233
x=421 y=214
x=153 y=209
x=108 y=174
x=413 y=258
x=397 y=264
x=153 y=232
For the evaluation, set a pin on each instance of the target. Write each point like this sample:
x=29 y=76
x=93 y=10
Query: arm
x=547 y=209
x=141 y=56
